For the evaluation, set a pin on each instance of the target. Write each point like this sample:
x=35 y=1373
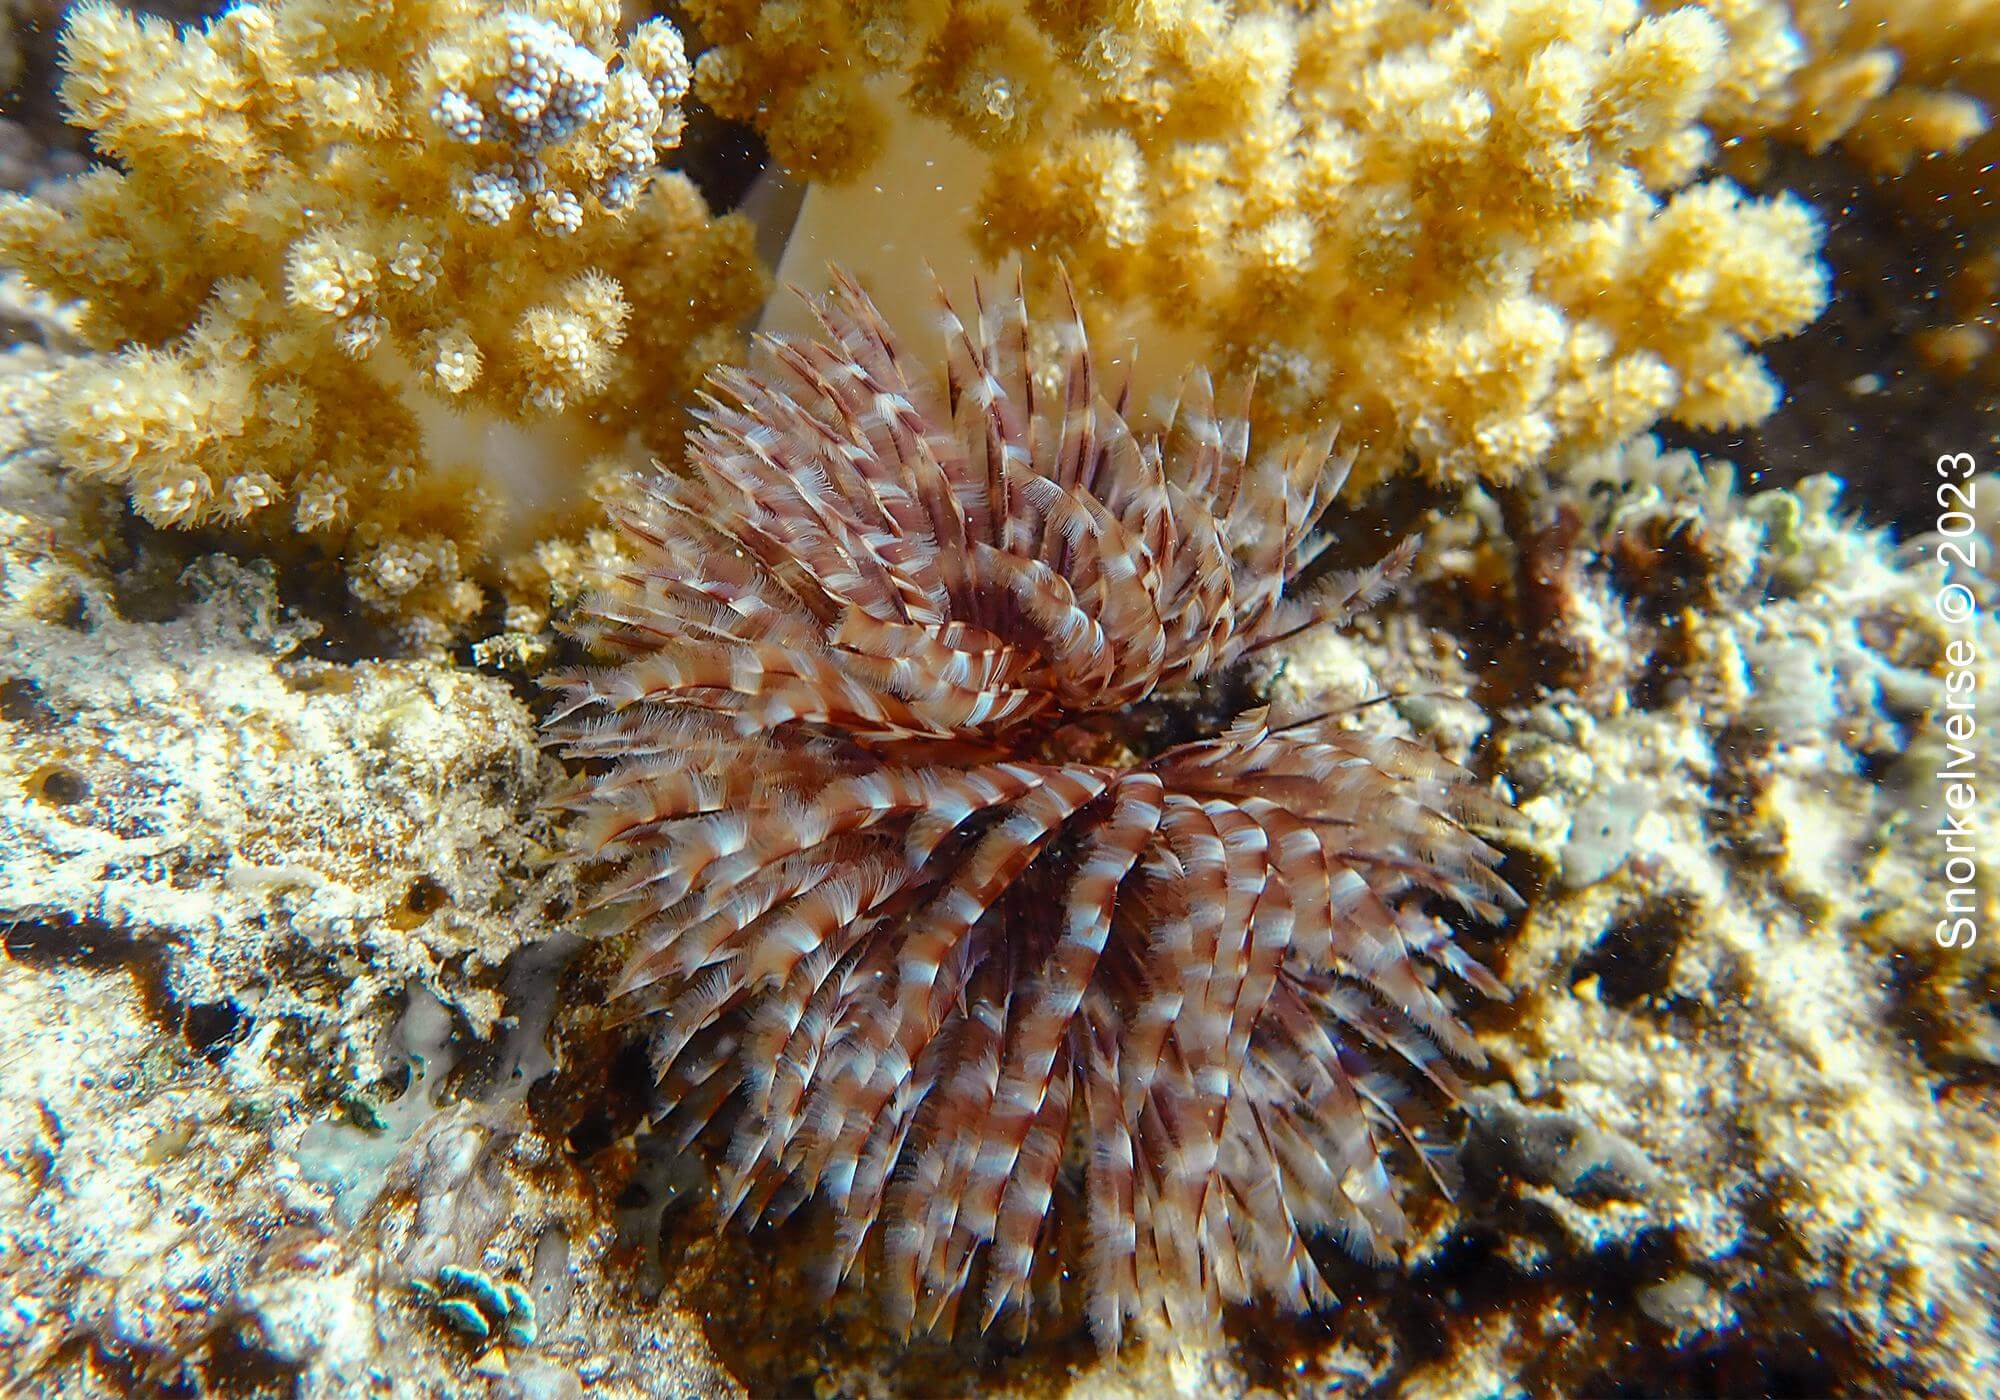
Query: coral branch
x=1465 y=231
x=341 y=243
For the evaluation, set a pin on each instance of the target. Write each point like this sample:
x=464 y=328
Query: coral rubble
x=133 y=772
x=243 y=891
x=1745 y=998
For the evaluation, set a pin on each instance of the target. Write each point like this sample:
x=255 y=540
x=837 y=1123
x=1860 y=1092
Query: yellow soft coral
x=1466 y=229
x=1906 y=88
x=347 y=250
x=1890 y=80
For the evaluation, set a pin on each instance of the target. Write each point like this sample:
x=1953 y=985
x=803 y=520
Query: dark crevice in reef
x=1740 y=1364
x=1784 y=1342
x=316 y=590
x=21 y=704
x=723 y=158
x=147 y=578
x=229 y=1365
x=1633 y=961
x=89 y=943
x=210 y=1029
x=1947 y=1008
x=1570 y=1316
x=1860 y=401
x=731 y=1277
x=162 y=582
x=1164 y=719
x=1575 y=1324
x=620 y=1102
x=523 y=685
x=156 y=576
x=235 y=1367
x=214 y=1028
x=1365 y=526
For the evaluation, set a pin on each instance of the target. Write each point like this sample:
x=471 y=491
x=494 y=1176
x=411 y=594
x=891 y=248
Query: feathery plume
x=920 y=928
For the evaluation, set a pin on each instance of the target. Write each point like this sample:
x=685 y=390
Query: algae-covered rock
x=1742 y=1105
x=257 y=905
x=302 y=840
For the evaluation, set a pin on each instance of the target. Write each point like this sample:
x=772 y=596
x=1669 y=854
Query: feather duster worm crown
x=928 y=940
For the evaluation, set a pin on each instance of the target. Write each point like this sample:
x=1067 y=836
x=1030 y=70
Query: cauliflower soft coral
x=1466 y=229
x=347 y=248
x=1891 y=81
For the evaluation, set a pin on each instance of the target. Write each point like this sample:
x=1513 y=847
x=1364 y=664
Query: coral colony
x=342 y=241
x=909 y=901
x=1480 y=233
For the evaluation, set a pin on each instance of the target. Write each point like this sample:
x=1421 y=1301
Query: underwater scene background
x=996 y=697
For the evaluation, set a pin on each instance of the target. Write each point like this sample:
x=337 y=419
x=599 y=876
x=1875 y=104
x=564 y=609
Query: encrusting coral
x=1467 y=231
x=869 y=806
x=243 y=890
x=341 y=243
x=1753 y=985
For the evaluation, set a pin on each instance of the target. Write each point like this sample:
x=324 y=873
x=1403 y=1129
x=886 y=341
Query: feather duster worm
x=955 y=958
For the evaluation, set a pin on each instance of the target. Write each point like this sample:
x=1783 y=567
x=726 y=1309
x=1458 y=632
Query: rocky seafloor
x=284 y=945
x=307 y=1084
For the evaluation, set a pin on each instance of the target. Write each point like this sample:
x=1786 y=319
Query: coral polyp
x=929 y=934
